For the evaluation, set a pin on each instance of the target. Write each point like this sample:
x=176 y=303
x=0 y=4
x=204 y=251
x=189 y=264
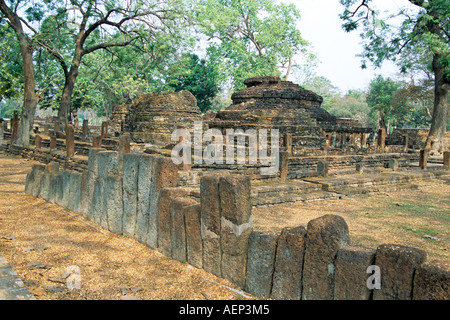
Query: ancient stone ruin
x=151 y=118
x=121 y=176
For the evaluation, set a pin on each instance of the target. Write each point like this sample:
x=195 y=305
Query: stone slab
x=261 y=263
x=287 y=277
x=325 y=236
x=397 y=264
x=350 y=281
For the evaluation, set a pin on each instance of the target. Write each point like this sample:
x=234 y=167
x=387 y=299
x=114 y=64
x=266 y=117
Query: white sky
x=336 y=49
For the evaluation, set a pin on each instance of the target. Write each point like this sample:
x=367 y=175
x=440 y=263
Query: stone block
x=194 y=250
x=236 y=225
x=96 y=209
x=104 y=130
x=284 y=164
x=178 y=228
x=56 y=188
x=446 y=158
x=53 y=142
x=74 y=191
x=107 y=163
x=393 y=164
x=44 y=185
x=167 y=196
x=130 y=171
x=96 y=141
x=325 y=236
x=31 y=178
x=360 y=168
x=423 y=159
x=287 y=277
x=113 y=204
x=84 y=195
x=431 y=282
x=70 y=141
x=146 y=187
x=261 y=263
x=124 y=146
x=397 y=265
x=47 y=181
x=85 y=129
x=350 y=282
x=64 y=201
x=210 y=222
x=36 y=181
x=381 y=139
x=165 y=176
x=323 y=168
x=92 y=179
x=38 y=142
x=235 y=203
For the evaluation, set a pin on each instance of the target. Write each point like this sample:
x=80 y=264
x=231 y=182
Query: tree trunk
x=29 y=100
x=66 y=98
x=288 y=72
x=382 y=123
x=435 y=142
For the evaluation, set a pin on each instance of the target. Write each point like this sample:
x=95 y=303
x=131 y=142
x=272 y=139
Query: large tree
x=381 y=103
x=69 y=32
x=197 y=76
x=425 y=25
x=251 y=37
x=11 y=15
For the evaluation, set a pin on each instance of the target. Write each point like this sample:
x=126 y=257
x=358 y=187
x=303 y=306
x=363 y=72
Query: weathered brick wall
x=138 y=197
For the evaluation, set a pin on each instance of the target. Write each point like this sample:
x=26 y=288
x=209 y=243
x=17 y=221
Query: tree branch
x=54 y=53
x=105 y=45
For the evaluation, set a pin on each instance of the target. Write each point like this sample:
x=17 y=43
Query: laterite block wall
x=137 y=195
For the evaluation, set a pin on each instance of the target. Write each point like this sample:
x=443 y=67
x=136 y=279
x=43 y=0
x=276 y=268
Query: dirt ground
x=44 y=242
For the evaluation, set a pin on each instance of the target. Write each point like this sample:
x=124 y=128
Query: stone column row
x=318 y=263
x=123 y=199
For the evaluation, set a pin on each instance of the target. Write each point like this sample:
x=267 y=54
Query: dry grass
x=418 y=218
x=112 y=267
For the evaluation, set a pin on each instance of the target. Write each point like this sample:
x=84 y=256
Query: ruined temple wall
x=415 y=138
x=136 y=196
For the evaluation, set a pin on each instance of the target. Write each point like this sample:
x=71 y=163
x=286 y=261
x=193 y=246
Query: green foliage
x=380 y=100
x=11 y=74
x=353 y=105
x=250 y=37
x=198 y=77
x=7 y=107
x=323 y=87
x=422 y=28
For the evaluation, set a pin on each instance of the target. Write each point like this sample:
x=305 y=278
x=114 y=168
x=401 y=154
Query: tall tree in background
x=10 y=13
x=427 y=27
x=380 y=100
x=250 y=37
x=198 y=77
